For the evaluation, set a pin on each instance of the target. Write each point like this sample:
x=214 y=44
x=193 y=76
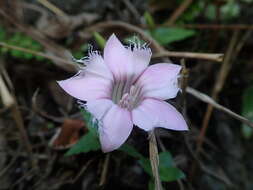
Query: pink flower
x=121 y=90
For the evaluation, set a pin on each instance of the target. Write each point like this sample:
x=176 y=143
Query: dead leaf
x=68 y=134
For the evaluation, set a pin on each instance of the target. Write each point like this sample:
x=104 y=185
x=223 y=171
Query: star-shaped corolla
x=121 y=90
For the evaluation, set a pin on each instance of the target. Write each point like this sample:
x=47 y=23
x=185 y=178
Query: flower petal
x=124 y=62
x=140 y=59
x=160 y=81
x=117 y=57
x=98 y=108
x=97 y=67
x=156 y=113
x=87 y=88
x=117 y=126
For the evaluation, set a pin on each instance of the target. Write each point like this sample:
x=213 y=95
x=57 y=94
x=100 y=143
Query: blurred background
x=47 y=142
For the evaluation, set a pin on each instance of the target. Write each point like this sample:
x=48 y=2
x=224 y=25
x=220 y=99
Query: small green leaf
x=39 y=58
x=151 y=185
x=145 y=164
x=50 y=125
x=247 y=111
x=230 y=10
x=28 y=55
x=87 y=143
x=210 y=12
x=2 y=34
x=165 y=159
x=131 y=151
x=91 y=123
x=99 y=39
x=168 y=172
x=4 y=49
x=166 y=35
x=149 y=20
x=16 y=53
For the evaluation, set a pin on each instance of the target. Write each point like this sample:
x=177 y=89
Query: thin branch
x=207 y=99
x=105 y=170
x=216 y=26
x=5 y=94
x=218 y=57
x=133 y=10
x=205 y=169
x=37 y=110
x=51 y=57
x=220 y=81
x=179 y=11
x=53 y=8
x=161 y=52
x=82 y=171
x=10 y=101
x=154 y=159
x=126 y=26
x=48 y=44
x=184 y=84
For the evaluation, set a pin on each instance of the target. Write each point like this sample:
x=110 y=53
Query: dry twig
x=10 y=101
x=154 y=159
x=179 y=11
x=47 y=43
x=161 y=52
x=218 y=57
x=216 y=26
x=53 y=8
x=223 y=73
x=105 y=170
x=207 y=99
x=37 y=53
x=5 y=95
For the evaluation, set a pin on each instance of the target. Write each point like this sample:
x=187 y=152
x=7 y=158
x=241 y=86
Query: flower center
x=126 y=95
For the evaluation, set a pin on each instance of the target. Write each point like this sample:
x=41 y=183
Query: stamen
x=124 y=102
x=131 y=100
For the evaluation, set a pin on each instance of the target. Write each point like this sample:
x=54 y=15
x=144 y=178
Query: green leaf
x=151 y=185
x=39 y=58
x=17 y=53
x=149 y=20
x=145 y=164
x=210 y=12
x=192 y=12
x=168 y=172
x=165 y=159
x=247 y=111
x=130 y=150
x=166 y=35
x=99 y=39
x=4 y=50
x=2 y=34
x=230 y=10
x=50 y=125
x=28 y=55
x=86 y=144
x=90 y=122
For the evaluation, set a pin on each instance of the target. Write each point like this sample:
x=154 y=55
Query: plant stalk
x=154 y=159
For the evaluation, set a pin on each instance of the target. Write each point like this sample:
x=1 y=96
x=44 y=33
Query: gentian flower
x=121 y=90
